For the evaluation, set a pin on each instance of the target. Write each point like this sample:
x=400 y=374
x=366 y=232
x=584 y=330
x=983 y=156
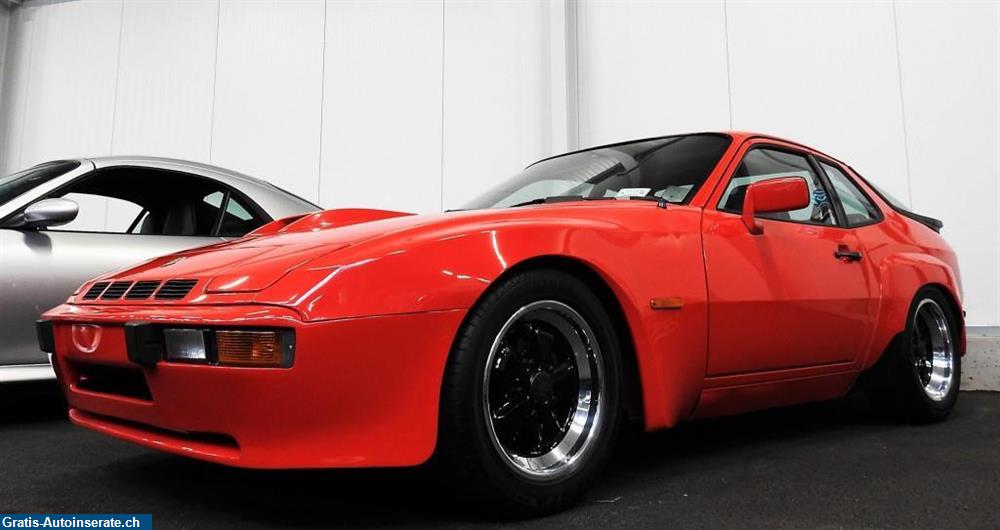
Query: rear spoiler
x=930 y=222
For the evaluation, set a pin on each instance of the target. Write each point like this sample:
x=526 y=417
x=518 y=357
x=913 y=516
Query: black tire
x=895 y=385
x=469 y=448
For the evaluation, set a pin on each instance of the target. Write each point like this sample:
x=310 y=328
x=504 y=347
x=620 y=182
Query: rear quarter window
x=858 y=208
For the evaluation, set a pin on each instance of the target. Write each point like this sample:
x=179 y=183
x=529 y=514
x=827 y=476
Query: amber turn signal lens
x=249 y=348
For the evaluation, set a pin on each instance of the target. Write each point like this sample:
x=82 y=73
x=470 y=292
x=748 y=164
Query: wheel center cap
x=541 y=387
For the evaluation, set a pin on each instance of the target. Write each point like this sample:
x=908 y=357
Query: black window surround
x=839 y=217
x=820 y=160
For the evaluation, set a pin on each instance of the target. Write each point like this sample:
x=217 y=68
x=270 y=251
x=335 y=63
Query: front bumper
x=362 y=392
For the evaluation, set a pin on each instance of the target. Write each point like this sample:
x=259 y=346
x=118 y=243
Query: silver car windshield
x=13 y=185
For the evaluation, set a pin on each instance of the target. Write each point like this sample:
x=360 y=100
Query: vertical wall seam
x=578 y=135
x=552 y=67
x=27 y=92
x=118 y=70
x=322 y=108
x=5 y=87
x=902 y=105
x=729 y=73
x=114 y=97
x=215 y=79
x=572 y=31
x=441 y=166
x=5 y=51
x=4 y=46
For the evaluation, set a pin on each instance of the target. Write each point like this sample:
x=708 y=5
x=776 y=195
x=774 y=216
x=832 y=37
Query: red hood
x=241 y=266
x=259 y=260
x=253 y=263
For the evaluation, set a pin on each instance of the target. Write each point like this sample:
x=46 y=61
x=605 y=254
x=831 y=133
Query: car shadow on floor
x=169 y=485
x=30 y=402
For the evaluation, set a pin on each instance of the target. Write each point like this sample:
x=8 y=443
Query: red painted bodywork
x=376 y=299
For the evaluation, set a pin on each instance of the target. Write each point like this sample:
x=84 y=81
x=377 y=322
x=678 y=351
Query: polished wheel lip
x=933 y=350
x=584 y=427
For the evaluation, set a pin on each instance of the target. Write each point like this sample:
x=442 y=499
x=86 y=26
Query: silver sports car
x=65 y=221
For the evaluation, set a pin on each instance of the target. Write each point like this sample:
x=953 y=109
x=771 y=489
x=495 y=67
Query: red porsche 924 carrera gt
x=656 y=280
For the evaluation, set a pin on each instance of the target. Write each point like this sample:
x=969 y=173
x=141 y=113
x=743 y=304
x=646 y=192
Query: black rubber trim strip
x=46 y=336
x=144 y=342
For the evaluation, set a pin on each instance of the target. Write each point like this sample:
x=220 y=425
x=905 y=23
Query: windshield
x=13 y=185
x=671 y=168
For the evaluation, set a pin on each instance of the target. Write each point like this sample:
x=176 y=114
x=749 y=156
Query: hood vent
x=96 y=290
x=115 y=291
x=175 y=289
x=142 y=290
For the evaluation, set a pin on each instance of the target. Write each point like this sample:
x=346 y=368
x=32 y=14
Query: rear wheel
x=530 y=403
x=918 y=376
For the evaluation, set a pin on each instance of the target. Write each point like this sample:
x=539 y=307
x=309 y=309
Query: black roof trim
x=616 y=144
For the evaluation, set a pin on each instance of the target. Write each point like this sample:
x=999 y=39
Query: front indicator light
x=254 y=348
x=272 y=349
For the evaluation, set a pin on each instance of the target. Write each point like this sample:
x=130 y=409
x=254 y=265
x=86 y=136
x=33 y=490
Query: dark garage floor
x=828 y=465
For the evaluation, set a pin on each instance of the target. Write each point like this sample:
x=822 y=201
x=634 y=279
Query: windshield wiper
x=658 y=200
x=661 y=202
x=551 y=199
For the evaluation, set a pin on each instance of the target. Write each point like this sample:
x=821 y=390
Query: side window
x=100 y=213
x=208 y=211
x=192 y=211
x=143 y=220
x=858 y=208
x=762 y=164
x=147 y=201
x=237 y=220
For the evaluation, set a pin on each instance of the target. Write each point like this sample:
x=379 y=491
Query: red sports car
x=657 y=280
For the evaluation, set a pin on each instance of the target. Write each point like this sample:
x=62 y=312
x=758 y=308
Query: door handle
x=846 y=254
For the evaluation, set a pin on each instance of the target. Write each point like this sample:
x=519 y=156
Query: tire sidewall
x=495 y=310
x=935 y=409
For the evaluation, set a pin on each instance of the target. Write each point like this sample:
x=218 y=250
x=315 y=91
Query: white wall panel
x=382 y=106
x=825 y=74
x=268 y=94
x=419 y=105
x=949 y=67
x=165 y=79
x=70 y=80
x=13 y=95
x=4 y=29
x=496 y=93
x=651 y=68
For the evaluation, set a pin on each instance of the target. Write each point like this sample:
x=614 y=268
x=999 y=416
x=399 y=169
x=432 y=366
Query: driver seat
x=180 y=219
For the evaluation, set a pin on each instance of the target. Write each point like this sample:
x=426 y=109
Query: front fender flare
x=442 y=270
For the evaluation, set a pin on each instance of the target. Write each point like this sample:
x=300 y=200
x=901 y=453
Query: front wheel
x=918 y=376
x=531 y=396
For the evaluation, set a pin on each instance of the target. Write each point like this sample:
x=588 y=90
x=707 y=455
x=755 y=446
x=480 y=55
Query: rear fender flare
x=902 y=275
